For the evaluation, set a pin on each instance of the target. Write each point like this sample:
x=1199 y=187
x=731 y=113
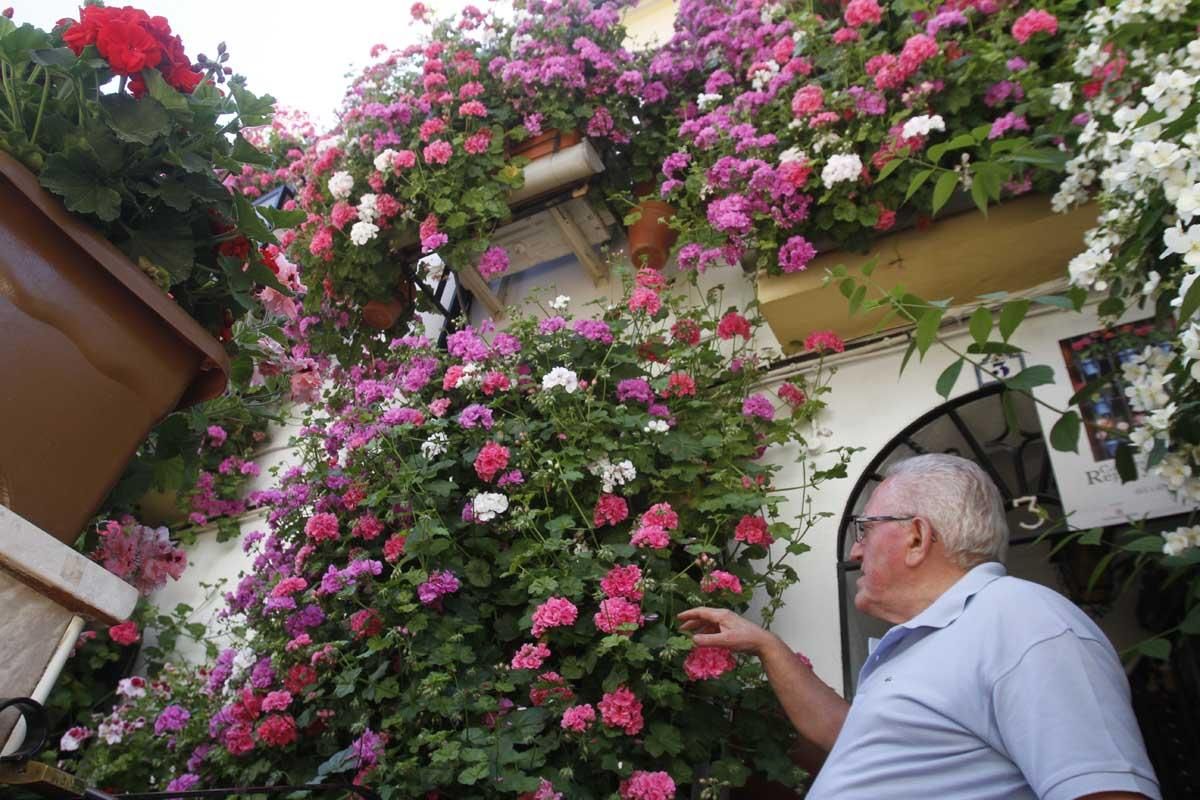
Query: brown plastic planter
x=651 y=237
x=93 y=354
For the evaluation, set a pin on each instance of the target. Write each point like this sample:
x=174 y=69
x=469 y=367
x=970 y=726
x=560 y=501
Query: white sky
x=299 y=51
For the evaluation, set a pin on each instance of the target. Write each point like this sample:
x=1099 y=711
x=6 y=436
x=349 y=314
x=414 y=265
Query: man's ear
x=919 y=543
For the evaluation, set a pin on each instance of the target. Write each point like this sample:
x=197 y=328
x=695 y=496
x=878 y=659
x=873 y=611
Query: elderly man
x=987 y=686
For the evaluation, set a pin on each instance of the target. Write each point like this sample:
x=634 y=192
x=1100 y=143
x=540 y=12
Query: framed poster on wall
x=1082 y=352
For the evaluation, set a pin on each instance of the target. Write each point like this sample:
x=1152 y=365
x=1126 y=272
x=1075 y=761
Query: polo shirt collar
x=950 y=605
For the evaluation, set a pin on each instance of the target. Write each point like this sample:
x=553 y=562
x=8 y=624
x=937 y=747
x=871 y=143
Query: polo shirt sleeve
x=1063 y=715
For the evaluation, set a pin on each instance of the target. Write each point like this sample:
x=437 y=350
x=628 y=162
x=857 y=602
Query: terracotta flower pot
x=545 y=144
x=651 y=237
x=94 y=355
x=383 y=314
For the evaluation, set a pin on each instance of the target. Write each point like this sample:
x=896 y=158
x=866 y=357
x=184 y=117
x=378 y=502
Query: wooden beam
x=72 y=580
x=474 y=283
x=579 y=245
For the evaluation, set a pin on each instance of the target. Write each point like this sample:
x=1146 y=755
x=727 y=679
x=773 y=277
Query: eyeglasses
x=860 y=524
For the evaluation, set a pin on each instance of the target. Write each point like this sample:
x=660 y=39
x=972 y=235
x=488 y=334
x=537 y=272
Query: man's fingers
x=710 y=640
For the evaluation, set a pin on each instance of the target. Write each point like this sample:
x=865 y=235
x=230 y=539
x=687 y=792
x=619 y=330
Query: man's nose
x=856 y=552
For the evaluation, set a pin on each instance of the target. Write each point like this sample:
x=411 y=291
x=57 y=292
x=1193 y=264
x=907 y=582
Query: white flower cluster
x=561 y=378
x=840 y=168
x=435 y=445
x=792 y=154
x=362 y=232
x=383 y=161
x=922 y=125
x=705 y=101
x=613 y=475
x=763 y=73
x=560 y=303
x=656 y=426
x=1180 y=539
x=1130 y=163
x=486 y=506
x=340 y=184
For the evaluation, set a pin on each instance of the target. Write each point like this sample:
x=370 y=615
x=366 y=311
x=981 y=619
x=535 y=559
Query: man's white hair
x=959 y=500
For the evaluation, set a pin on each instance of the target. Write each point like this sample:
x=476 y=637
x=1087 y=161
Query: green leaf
x=943 y=189
x=1056 y=300
x=1191 y=301
x=663 y=738
x=1011 y=316
x=1126 y=466
x=71 y=176
x=17 y=42
x=473 y=774
x=171 y=99
x=927 y=328
x=280 y=219
x=1064 y=436
x=912 y=348
x=141 y=121
x=916 y=182
x=980 y=196
x=1144 y=544
x=949 y=376
x=1028 y=378
x=981 y=324
x=1158 y=649
x=856 y=299
x=887 y=170
x=61 y=57
x=168 y=473
x=247 y=153
x=166 y=244
x=252 y=110
x=249 y=222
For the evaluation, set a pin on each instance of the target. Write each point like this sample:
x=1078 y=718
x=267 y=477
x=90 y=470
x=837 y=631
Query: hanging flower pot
x=545 y=144
x=383 y=314
x=95 y=355
x=651 y=237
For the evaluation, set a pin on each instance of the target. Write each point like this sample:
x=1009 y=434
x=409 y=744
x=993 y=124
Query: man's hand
x=720 y=627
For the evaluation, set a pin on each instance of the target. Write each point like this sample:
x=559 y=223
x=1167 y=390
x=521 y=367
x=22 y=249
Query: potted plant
x=818 y=124
x=123 y=253
x=429 y=146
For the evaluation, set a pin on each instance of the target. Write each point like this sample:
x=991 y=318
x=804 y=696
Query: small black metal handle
x=37 y=727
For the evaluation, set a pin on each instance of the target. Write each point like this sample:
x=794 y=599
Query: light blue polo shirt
x=1000 y=689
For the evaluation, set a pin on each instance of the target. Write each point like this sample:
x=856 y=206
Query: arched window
x=1008 y=445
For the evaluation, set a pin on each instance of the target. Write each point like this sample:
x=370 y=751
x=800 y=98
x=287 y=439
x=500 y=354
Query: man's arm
x=813 y=707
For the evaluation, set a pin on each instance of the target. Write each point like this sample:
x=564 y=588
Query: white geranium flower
x=560 y=303
x=922 y=125
x=435 y=445
x=656 y=426
x=486 y=506
x=340 y=184
x=706 y=101
x=613 y=475
x=363 y=232
x=841 y=168
x=792 y=154
x=561 y=378
x=367 y=209
x=383 y=161
x=111 y=731
x=73 y=738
